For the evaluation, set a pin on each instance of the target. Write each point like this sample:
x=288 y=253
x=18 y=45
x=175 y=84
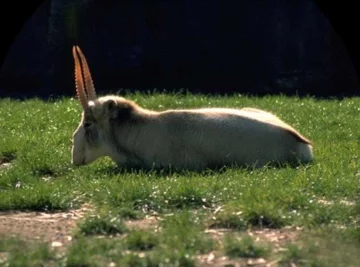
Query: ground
x=57 y=230
x=180 y=210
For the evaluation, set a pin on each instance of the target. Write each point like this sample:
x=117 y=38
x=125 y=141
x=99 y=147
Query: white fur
x=193 y=139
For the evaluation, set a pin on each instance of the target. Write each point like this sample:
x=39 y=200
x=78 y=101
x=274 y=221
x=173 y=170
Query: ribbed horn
x=89 y=85
x=79 y=81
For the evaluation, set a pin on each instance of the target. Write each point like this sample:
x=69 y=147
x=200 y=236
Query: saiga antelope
x=192 y=139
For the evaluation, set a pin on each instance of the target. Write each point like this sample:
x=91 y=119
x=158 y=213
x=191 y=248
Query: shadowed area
x=204 y=46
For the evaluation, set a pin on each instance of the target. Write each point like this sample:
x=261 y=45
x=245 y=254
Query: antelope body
x=192 y=139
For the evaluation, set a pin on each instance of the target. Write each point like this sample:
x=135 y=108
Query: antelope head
x=88 y=139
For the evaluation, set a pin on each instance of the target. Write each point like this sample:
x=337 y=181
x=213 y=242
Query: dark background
x=211 y=46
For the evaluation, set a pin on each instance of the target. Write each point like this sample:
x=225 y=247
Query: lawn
x=215 y=216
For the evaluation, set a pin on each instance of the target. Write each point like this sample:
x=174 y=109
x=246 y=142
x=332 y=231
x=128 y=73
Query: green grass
x=35 y=138
x=102 y=225
x=320 y=247
x=142 y=240
x=244 y=247
x=36 y=254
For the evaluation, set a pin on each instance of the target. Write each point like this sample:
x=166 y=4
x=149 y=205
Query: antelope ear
x=110 y=108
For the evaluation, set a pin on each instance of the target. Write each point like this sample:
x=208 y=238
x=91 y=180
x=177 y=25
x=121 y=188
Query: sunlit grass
x=35 y=139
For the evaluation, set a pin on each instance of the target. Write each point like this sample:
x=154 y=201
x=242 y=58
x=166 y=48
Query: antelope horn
x=89 y=85
x=79 y=81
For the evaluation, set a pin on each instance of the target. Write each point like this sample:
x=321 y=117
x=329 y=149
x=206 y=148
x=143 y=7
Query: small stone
x=56 y=244
x=210 y=257
x=256 y=261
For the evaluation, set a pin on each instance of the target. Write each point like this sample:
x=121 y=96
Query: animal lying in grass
x=185 y=139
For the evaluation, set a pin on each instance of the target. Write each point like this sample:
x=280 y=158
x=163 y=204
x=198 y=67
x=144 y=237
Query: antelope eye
x=87 y=124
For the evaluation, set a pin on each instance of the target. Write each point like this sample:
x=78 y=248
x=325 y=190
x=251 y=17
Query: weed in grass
x=137 y=193
x=231 y=220
x=93 y=252
x=129 y=214
x=265 y=219
x=88 y=251
x=130 y=260
x=324 y=215
x=40 y=162
x=171 y=257
x=184 y=230
x=352 y=234
x=141 y=240
x=292 y=255
x=42 y=197
x=256 y=214
x=102 y=225
x=7 y=156
x=186 y=196
x=43 y=171
x=124 y=212
x=324 y=247
x=37 y=254
x=244 y=247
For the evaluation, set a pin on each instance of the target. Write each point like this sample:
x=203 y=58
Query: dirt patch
x=55 y=228
x=213 y=259
x=5 y=165
x=148 y=223
x=278 y=238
